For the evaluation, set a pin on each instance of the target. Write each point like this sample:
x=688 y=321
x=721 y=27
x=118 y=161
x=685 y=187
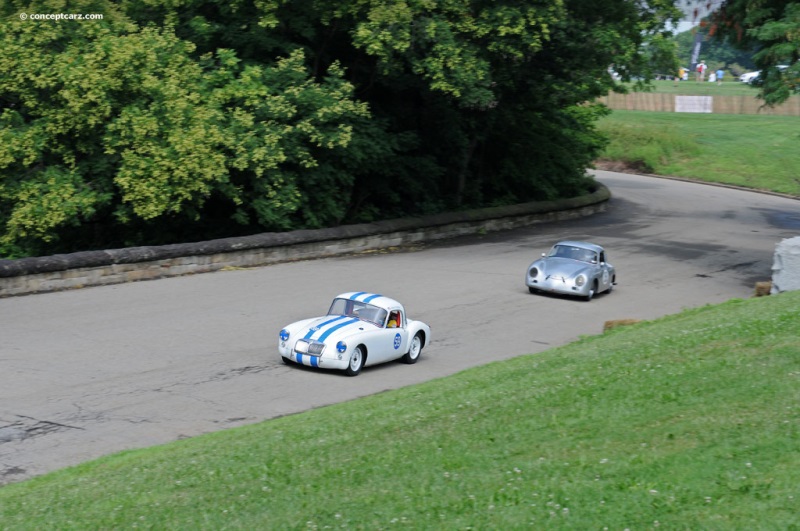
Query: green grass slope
x=752 y=151
x=688 y=422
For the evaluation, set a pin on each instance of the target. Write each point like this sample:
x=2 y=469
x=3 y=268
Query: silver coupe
x=572 y=268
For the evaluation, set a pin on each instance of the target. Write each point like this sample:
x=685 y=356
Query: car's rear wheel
x=414 y=350
x=356 y=362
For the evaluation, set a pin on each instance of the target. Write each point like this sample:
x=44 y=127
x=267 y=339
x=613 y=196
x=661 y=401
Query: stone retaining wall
x=114 y=266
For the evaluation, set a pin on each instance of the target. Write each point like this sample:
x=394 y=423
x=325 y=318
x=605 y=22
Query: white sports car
x=360 y=329
x=749 y=77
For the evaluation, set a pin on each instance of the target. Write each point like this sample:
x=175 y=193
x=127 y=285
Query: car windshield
x=573 y=253
x=360 y=310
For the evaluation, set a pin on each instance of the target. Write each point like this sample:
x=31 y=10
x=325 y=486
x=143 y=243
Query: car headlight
x=580 y=281
x=533 y=272
x=341 y=346
x=316 y=348
x=284 y=335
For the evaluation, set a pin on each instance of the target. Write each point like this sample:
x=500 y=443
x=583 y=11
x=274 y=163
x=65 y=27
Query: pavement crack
x=29 y=428
x=239 y=371
x=10 y=470
x=741 y=265
x=51 y=423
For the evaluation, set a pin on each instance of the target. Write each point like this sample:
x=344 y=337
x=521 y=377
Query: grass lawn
x=691 y=421
x=759 y=152
x=729 y=87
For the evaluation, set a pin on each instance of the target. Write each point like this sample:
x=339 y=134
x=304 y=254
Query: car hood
x=332 y=328
x=561 y=267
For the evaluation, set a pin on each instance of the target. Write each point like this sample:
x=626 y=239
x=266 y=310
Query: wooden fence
x=649 y=101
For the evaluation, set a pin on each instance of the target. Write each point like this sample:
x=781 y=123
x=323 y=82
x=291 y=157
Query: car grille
x=314 y=348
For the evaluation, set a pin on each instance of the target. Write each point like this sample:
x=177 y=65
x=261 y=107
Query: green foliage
x=279 y=124
x=772 y=28
x=716 y=52
x=452 y=46
x=663 y=55
x=195 y=119
x=108 y=122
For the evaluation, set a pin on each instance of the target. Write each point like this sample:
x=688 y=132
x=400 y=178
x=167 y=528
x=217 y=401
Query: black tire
x=533 y=290
x=356 y=362
x=414 y=350
x=287 y=361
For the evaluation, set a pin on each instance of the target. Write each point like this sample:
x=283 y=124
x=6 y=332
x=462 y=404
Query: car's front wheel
x=356 y=362
x=592 y=291
x=414 y=350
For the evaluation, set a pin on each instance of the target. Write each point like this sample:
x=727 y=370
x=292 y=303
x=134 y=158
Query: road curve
x=90 y=372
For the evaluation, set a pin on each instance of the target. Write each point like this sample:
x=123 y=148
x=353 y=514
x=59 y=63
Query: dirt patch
x=622 y=166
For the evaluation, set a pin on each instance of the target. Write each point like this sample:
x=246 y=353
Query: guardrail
x=95 y=268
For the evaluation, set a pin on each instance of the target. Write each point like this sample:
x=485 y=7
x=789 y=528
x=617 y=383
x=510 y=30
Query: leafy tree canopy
x=191 y=119
x=113 y=123
x=716 y=52
x=772 y=29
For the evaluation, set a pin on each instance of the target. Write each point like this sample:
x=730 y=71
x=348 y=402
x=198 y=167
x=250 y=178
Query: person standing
x=720 y=73
x=701 y=71
x=681 y=74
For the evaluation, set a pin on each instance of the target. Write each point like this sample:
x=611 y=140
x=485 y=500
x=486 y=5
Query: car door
x=394 y=341
x=400 y=339
x=386 y=344
x=400 y=336
x=605 y=277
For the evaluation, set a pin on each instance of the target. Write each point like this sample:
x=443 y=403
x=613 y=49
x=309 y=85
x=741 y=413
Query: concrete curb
x=96 y=268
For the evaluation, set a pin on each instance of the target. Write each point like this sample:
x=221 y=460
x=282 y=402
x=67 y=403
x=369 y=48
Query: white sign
x=694 y=103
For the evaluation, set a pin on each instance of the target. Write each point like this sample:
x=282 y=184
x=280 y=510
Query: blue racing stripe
x=332 y=329
x=354 y=296
x=372 y=297
x=307 y=359
x=317 y=327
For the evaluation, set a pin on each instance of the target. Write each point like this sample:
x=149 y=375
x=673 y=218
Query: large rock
x=786 y=266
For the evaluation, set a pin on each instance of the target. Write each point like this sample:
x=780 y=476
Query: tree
x=114 y=132
x=201 y=118
x=772 y=28
x=717 y=52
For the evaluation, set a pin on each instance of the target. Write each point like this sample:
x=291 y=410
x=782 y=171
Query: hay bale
x=763 y=289
x=608 y=325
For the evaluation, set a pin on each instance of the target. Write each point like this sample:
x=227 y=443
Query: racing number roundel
x=396 y=341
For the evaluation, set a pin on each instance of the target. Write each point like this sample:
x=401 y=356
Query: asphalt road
x=90 y=372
